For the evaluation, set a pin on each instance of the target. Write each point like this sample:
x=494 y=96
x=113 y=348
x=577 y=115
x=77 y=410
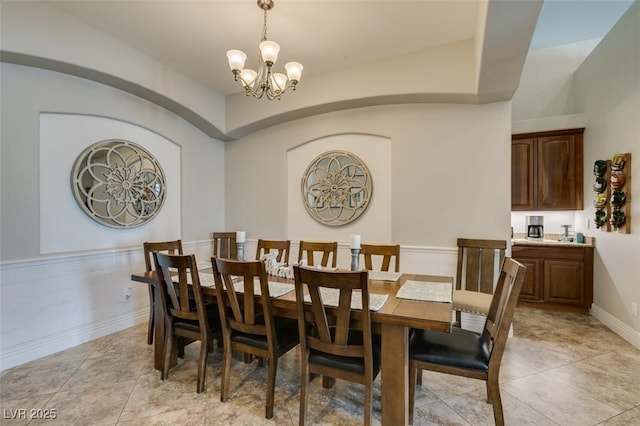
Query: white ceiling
x=193 y=36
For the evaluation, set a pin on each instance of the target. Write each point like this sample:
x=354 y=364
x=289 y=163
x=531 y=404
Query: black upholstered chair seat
x=355 y=365
x=286 y=330
x=460 y=348
x=212 y=316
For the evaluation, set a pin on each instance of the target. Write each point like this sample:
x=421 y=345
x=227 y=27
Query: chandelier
x=264 y=82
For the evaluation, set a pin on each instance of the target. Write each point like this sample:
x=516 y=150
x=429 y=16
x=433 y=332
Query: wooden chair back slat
x=282 y=246
x=169 y=247
x=224 y=245
x=329 y=251
x=486 y=271
x=388 y=253
x=478 y=261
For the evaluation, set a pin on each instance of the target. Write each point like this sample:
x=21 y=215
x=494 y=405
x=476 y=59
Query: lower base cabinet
x=558 y=278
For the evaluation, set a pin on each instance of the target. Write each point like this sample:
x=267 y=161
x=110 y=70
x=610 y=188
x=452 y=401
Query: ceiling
x=193 y=36
x=356 y=53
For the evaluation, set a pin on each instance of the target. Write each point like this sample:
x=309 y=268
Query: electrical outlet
x=634 y=309
x=127 y=294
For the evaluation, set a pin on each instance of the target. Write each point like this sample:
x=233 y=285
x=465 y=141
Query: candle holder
x=240 y=251
x=355 y=256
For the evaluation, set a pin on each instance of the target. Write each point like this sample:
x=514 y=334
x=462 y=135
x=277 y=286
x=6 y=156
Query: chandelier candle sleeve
x=240 y=239
x=355 y=255
x=355 y=241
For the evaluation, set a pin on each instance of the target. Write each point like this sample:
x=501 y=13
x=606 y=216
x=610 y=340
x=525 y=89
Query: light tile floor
x=558 y=369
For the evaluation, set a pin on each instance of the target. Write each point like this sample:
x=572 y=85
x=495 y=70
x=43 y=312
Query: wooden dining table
x=393 y=321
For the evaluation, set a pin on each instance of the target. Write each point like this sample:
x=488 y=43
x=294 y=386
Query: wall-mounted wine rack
x=613 y=193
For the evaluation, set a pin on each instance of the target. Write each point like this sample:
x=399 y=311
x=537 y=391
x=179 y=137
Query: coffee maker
x=535 y=228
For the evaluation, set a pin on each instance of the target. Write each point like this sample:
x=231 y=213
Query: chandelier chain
x=264 y=27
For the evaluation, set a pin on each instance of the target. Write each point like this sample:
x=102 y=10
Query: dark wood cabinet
x=532 y=284
x=547 y=170
x=557 y=277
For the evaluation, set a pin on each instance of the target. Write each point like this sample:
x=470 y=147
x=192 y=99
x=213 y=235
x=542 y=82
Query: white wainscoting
x=54 y=303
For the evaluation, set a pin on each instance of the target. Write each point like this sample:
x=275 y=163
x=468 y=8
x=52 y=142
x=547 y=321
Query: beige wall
x=546 y=87
x=450 y=171
x=608 y=91
x=28 y=91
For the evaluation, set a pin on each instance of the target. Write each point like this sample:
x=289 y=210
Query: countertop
x=551 y=240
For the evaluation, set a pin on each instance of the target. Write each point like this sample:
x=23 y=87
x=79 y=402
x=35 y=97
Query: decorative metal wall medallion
x=336 y=188
x=118 y=184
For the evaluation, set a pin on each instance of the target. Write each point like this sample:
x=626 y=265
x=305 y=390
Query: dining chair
x=469 y=354
x=170 y=247
x=342 y=350
x=185 y=316
x=282 y=246
x=478 y=263
x=248 y=324
x=387 y=251
x=327 y=249
x=224 y=245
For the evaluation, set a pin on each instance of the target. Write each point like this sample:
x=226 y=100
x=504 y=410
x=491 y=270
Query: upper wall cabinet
x=546 y=170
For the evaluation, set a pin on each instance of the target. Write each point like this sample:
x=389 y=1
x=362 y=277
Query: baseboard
x=623 y=330
x=34 y=349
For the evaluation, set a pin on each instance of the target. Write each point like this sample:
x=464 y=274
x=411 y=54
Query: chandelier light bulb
x=280 y=81
x=248 y=76
x=269 y=51
x=237 y=59
x=294 y=71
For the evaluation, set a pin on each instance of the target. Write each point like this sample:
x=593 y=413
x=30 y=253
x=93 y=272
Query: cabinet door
x=532 y=284
x=559 y=169
x=563 y=281
x=522 y=174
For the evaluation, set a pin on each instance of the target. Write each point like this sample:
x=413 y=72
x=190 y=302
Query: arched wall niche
x=375 y=224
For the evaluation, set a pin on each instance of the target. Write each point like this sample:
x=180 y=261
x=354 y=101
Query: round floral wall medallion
x=336 y=188
x=118 y=184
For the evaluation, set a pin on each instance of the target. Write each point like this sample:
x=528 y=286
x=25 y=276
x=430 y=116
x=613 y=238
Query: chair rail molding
x=56 y=302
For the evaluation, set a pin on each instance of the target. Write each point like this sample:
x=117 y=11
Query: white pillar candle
x=355 y=241
x=240 y=237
